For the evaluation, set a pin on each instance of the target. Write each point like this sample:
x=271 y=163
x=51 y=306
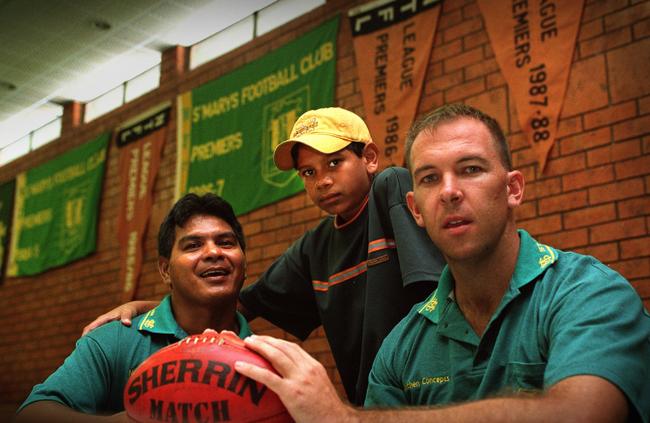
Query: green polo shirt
x=93 y=376
x=564 y=314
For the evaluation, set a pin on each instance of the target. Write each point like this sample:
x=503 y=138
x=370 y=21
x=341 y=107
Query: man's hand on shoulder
x=123 y=313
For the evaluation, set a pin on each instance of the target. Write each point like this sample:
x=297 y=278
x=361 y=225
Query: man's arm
x=308 y=394
x=54 y=412
x=124 y=313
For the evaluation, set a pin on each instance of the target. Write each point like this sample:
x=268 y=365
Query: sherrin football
x=194 y=380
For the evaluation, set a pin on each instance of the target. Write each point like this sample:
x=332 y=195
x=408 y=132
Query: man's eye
x=427 y=179
x=227 y=243
x=191 y=245
x=472 y=169
x=334 y=162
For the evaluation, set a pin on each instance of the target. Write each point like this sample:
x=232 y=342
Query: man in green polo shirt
x=516 y=331
x=201 y=258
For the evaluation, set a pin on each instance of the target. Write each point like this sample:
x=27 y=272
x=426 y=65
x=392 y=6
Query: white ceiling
x=47 y=45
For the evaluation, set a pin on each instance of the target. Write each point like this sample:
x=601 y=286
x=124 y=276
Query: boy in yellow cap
x=360 y=270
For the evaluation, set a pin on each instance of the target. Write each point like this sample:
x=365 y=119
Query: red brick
x=450 y=19
x=589 y=216
x=627 y=16
x=644 y=105
x=542 y=225
x=482 y=68
x=445 y=81
x=492 y=102
x=601 y=8
x=616 y=191
x=638 y=247
x=641 y=29
x=475 y=39
x=621 y=229
x=605 y=42
x=262 y=213
x=463 y=59
x=495 y=80
x=636 y=268
x=634 y=207
x=252 y=228
x=586 y=76
x=565 y=164
x=471 y=10
x=526 y=210
x=517 y=141
x=614 y=153
x=566 y=240
x=606 y=253
x=632 y=128
x=449 y=6
x=543 y=188
x=563 y=202
x=466 y=27
x=304 y=215
x=447 y=50
x=261 y=239
x=588 y=177
x=590 y=29
x=610 y=115
x=569 y=126
x=523 y=157
x=276 y=222
x=291 y=233
x=464 y=90
x=627 y=69
x=585 y=141
x=642 y=287
x=633 y=167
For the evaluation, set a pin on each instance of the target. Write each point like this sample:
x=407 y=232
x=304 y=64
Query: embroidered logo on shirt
x=430 y=305
x=549 y=256
x=426 y=380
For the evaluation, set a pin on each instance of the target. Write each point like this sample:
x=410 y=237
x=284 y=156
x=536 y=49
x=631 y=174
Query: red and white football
x=194 y=380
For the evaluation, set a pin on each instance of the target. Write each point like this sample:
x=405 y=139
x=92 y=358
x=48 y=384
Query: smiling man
x=201 y=259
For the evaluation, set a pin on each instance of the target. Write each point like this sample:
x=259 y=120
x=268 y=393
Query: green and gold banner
x=228 y=128
x=6 y=209
x=56 y=208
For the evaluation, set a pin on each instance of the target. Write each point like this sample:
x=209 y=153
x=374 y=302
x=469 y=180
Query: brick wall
x=593 y=198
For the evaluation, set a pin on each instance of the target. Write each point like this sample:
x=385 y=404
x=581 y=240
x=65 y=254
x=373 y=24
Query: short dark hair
x=192 y=205
x=451 y=112
x=355 y=146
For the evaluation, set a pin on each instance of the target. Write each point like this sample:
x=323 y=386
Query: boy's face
x=206 y=263
x=339 y=182
x=462 y=193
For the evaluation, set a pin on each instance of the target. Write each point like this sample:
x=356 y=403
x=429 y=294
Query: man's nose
x=212 y=249
x=451 y=191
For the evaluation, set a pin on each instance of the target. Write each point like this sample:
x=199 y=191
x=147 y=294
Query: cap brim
x=326 y=144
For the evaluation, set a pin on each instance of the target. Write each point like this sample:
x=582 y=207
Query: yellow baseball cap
x=326 y=130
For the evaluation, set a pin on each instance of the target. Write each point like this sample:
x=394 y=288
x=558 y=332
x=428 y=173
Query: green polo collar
x=533 y=260
x=161 y=320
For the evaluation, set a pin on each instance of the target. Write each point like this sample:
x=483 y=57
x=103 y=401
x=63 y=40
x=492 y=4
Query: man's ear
x=413 y=207
x=515 y=188
x=163 y=268
x=371 y=157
